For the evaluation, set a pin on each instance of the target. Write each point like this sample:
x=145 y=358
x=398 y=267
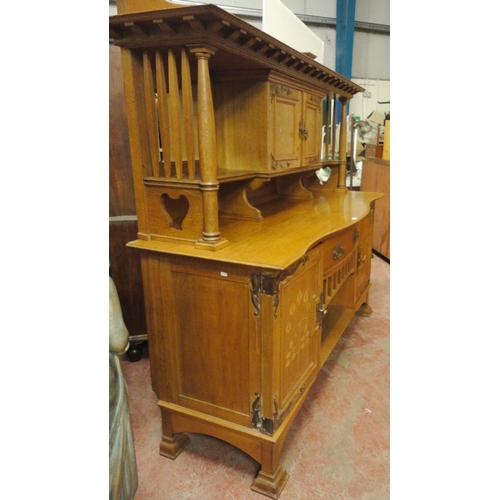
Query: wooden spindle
x=161 y=88
x=175 y=113
x=343 y=144
x=188 y=110
x=151 y=114
x=328 y=126
x=334 y=125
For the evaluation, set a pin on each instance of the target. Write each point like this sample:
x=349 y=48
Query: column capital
x=202 y=51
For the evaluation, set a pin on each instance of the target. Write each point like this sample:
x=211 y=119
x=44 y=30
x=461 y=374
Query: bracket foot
x=271 y=485
x=365 y=310
x=172 y=447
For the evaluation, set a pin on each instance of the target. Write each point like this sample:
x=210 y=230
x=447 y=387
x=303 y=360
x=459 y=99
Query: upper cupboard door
x=310 y=130
x=284 y=129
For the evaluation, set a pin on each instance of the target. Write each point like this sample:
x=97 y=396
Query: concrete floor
x=337 y=447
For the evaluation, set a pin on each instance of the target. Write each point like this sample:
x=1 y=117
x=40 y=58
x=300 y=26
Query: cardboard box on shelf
x=377 y=117
x=359 y=148
x=374 y=150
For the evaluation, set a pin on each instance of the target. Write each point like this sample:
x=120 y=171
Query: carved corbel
x=268 y=284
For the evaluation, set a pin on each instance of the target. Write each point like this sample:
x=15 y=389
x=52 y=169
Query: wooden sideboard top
x=288 y=231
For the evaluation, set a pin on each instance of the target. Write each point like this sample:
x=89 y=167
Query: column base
x=216 y=245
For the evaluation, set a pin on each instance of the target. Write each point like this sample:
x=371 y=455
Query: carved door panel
x=292 y=357
x=311 y=129
x=299 y=332
x=284 y=128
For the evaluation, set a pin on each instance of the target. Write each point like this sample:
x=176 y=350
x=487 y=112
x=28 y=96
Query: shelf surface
x=289 y=229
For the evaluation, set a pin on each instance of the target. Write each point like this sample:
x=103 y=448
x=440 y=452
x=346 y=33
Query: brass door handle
x=361 y=259
x=320 y=308
x=338 y=251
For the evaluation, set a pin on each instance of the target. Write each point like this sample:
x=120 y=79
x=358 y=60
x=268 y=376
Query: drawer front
x=338 y=248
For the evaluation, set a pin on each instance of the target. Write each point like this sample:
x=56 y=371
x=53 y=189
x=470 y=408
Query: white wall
x=373 y=11
x=371 y=52
x=280 y=22
x=363 y=104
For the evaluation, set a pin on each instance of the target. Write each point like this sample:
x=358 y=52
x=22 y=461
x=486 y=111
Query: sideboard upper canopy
x=238 y=44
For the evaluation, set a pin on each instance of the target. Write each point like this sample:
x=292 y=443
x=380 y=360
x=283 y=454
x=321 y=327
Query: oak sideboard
x=252 y=267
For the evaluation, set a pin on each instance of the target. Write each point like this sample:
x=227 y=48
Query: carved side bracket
x=291 y=186
x=268 y=284
x=234 y=204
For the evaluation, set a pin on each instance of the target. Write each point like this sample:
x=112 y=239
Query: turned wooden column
x=343 y=144
x=209 y=185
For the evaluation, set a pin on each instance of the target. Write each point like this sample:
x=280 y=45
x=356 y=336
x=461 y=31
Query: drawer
x=337 y=249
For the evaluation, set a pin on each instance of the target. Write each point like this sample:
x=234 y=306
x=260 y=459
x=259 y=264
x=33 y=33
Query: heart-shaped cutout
x=175 y=209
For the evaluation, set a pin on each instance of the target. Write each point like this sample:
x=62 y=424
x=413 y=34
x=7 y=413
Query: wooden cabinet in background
x=124 y=263
x=376 y=176
x=252 y=270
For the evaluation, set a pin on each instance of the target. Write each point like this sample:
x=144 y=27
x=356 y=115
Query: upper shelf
x=240 y=45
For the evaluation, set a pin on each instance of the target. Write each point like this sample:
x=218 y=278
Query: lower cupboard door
x=299 y=332
x=215 y=336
